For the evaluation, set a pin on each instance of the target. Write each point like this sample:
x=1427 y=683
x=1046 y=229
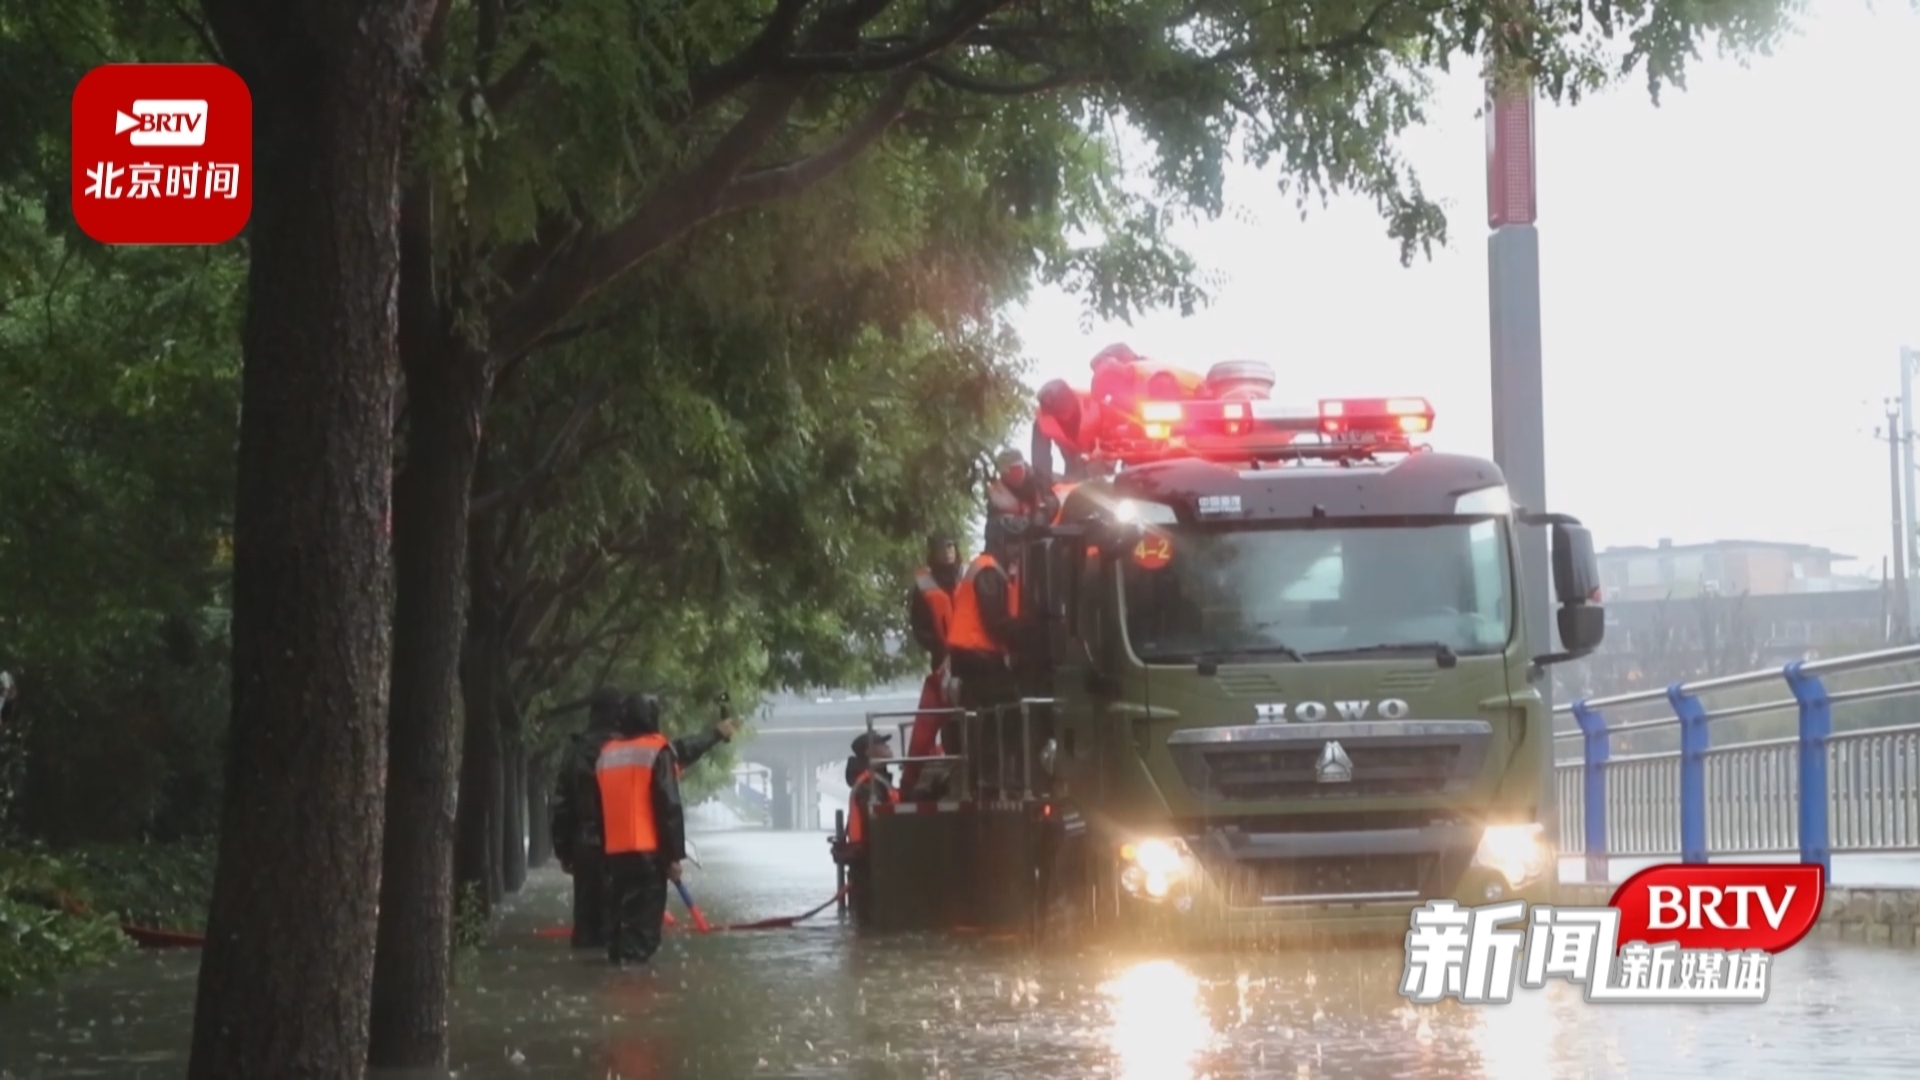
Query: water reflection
x=824 y=1002
x=1514 y=1041
x=1159 y=1025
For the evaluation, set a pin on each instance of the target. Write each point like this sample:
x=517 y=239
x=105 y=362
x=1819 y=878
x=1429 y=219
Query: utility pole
x=1898 y=477
x=1513 y=301
x=1909 y=360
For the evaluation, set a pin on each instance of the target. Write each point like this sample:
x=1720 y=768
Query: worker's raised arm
x=669 y=816
x=691 y=748
x=1040 y=456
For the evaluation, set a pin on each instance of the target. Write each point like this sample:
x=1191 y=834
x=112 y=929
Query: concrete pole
x=1519 y=409
x=1910 y=549
x=1902 y=616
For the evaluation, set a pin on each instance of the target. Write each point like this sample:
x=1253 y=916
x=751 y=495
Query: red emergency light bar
x=1253 y=427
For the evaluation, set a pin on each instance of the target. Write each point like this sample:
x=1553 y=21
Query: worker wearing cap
x=576 y=826
x=1069 y=421
x=645 y=829
x=866 y=787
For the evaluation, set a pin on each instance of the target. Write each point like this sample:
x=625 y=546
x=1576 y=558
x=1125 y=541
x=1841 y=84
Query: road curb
x=1880 y=916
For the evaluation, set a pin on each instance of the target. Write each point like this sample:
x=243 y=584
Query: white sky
x=1726 y=283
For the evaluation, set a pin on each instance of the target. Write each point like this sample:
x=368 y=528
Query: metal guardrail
x=974 y=724
x=1813 y=793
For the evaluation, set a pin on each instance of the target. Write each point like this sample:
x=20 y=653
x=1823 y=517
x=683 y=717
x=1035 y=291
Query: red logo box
x=162 y=154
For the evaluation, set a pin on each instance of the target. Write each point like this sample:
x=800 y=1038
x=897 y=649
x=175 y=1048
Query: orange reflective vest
x=939 y=601
x=857 y=807
x=967 y=631
x=625 y=775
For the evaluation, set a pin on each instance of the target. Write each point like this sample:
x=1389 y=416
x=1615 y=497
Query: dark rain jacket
x=575 y=820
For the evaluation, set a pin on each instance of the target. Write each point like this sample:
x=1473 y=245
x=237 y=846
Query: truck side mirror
x=1582 y=621
x=1576 y=571
x=1582 y=628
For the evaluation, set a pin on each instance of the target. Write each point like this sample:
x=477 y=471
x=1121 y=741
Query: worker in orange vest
x=986 y=631
x=1069 y=421
x=930 y=609
x=930 y=604
x=646 y=833
x=866 y=787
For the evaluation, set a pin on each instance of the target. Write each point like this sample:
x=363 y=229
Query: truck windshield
x=1318 y=592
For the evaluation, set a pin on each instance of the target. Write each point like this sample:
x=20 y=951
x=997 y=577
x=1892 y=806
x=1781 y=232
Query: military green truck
x=1280 y=677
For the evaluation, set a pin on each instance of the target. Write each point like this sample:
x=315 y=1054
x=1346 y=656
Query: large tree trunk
x=477 y=847
x=284 y=980
x=446 y=397
x=513 y=819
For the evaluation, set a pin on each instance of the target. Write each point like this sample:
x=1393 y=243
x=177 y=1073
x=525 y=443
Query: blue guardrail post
x=1693 y=773
x=1593 y=731
x=1816 y=724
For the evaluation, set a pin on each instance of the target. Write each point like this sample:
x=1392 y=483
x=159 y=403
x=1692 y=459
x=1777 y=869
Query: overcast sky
x=1727 y=280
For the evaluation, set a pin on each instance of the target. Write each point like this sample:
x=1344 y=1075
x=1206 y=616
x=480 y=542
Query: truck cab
x=1279 y=675
x=1289 y=675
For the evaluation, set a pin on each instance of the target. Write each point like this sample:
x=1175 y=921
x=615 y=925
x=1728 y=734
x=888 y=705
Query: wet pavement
x=817 y=1002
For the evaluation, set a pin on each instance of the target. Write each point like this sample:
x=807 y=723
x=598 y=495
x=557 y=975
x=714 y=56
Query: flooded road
x=817 y=1002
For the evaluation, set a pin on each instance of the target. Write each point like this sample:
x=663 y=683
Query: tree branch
x=570 y=429
x=676 y=206
x=785 y=181
x=972 y=84
x=964 y=19
x=758 y=58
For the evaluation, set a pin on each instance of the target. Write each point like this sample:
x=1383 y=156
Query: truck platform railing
x=1728 y=766
x=975 y=725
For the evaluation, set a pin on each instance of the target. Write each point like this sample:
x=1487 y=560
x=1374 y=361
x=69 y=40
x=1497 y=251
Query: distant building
x=1672 y=571
x=1687 y=611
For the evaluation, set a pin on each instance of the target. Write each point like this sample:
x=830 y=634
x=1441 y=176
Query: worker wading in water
x=577 y=837
x=867 y=786
x=577 y=834
x=646 y=833
x=929 y=611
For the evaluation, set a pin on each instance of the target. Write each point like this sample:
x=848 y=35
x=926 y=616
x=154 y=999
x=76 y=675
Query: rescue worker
x=687 y=749
x=866 y=786
x=1068 y=421
x=1013 y=490
x=576 y=827
x=930 y=605
x=930 y=609
x=646 y=833
x=986 y=630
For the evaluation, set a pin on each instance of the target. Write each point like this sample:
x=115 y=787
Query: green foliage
x=60 y=912
x=118 y=406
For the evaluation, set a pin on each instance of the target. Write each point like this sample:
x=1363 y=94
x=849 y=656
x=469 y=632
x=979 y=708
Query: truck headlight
x=1518 y=852
x=1151 y=868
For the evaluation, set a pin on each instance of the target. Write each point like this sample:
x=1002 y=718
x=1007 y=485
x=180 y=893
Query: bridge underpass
x=798 y=739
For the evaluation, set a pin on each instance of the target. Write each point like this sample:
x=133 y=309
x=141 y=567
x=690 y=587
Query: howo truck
x=1279 y=676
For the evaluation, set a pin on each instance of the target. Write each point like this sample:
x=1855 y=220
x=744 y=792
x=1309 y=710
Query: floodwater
x=818 y=1002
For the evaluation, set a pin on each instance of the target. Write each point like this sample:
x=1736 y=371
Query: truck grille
x=1331 y=880
x=1377 y=770
x=1283 y=761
